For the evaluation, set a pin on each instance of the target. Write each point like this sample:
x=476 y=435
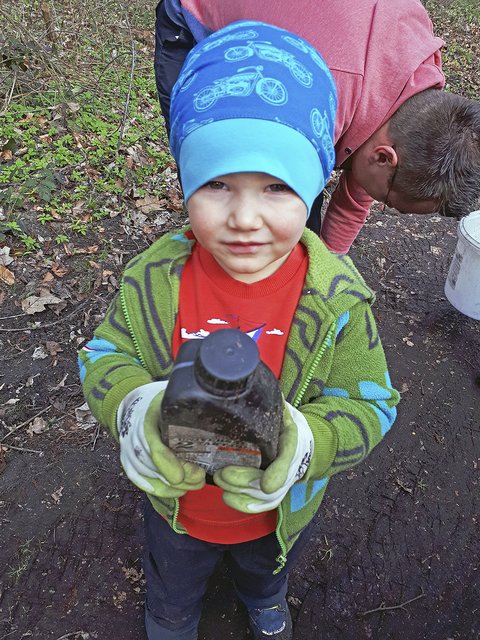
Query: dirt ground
x=395 y=553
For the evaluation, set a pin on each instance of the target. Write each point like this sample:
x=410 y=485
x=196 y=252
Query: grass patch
x=461 y=11
x=24 y=555
x=457 y=22
x=81 y=129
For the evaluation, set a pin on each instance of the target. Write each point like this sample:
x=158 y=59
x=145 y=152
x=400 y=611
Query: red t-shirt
x=210 y=300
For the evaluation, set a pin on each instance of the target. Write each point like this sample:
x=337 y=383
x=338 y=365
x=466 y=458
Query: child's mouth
x=240 y=248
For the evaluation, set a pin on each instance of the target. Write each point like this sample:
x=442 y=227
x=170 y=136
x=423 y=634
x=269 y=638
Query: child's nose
x=245 y=212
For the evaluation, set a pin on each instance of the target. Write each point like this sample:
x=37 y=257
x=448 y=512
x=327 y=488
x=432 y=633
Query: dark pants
x=314 y=221
x=172 y=44
x=177 y=568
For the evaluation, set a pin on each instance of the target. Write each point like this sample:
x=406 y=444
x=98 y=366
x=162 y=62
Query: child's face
x=249 y=222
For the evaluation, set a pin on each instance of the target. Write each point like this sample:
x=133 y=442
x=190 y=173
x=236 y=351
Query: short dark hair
x=437 y=136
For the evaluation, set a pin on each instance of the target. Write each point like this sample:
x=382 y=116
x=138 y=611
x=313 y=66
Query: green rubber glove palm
x=148 y=463
x=253 y=490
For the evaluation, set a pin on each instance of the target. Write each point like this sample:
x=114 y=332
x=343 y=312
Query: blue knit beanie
x=254 y=97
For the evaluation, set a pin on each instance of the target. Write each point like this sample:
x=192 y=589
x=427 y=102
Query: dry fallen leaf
x=38 y=425
x=175 y=199
x=31 y=380
x=132 y=574
x=56 y=495
x=5 y=257
x=84 y=416
x=60 y=384
x=53 y=347
x=59 y=270
x=119 y=597
x=39 y=353
x=148 y=204
x=78 y=139
x=6 y=275
x=36 y=304
x=93 y=173
x=84 y=250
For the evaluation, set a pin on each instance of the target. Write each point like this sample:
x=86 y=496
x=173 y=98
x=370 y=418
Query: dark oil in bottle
x=222 y=405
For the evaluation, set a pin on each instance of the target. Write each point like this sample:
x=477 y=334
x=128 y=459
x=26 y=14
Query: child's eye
x=280 y=187
x=214 y=184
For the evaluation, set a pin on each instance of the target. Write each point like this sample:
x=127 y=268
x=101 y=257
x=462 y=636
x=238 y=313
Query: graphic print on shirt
x=253 y=329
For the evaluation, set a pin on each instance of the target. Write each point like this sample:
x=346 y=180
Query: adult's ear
x=384 y=155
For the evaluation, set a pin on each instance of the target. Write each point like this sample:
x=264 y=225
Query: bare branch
x=47 y=18
x=127 y=101
x=383 y=607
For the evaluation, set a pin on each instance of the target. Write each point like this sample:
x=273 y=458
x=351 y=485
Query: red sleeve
x=346 y=214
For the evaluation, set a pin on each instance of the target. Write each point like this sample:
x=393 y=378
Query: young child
x=252 y=114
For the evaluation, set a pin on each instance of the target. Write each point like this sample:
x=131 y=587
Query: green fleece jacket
x=334 y=369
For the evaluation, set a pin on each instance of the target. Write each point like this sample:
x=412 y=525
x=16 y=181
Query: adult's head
x=426 y=158
x=254 y=98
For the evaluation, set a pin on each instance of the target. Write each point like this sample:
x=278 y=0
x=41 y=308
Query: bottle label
x=211 y=451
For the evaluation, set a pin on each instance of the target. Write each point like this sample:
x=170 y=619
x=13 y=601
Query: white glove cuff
x=135 y=404
x=304 y=451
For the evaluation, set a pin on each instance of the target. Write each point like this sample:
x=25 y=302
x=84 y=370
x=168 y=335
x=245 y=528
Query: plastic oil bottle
x=222 y=404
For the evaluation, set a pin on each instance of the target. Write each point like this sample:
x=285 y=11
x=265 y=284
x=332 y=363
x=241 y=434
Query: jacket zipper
x=175 y=516
x=318 y=356
x=130 y=328
x=144 y=365
x=282 y=557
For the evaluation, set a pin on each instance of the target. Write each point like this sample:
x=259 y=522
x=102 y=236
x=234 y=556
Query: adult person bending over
x=398 y=139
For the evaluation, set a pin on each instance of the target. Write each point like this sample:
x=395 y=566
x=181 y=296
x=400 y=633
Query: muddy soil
x=395 y=554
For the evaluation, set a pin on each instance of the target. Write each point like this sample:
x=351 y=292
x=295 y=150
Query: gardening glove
x=148 y=463
x=254 y=490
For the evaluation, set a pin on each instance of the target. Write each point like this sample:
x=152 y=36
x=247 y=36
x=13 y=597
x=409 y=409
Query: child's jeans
x=177 y=568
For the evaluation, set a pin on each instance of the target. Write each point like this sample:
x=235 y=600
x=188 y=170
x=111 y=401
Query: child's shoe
x=274 y=622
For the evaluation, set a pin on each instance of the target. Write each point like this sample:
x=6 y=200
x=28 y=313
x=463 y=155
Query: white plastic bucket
x=462 y=287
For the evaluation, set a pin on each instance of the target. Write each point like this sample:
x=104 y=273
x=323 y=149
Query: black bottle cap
x=225 y=361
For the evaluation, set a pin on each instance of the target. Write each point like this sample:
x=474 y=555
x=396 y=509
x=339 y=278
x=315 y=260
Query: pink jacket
x=380 y=52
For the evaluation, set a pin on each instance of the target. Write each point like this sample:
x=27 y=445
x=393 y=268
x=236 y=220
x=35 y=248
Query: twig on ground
x=24 y=424
x=71 y=635
x=468 y=362
x=121 y=54
x=130 y=84
x=8 y=99
x=389 y=258
x=50 y=324
x=17 y=315
x=9 y=446
x=95 y=437
x=383 y=607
